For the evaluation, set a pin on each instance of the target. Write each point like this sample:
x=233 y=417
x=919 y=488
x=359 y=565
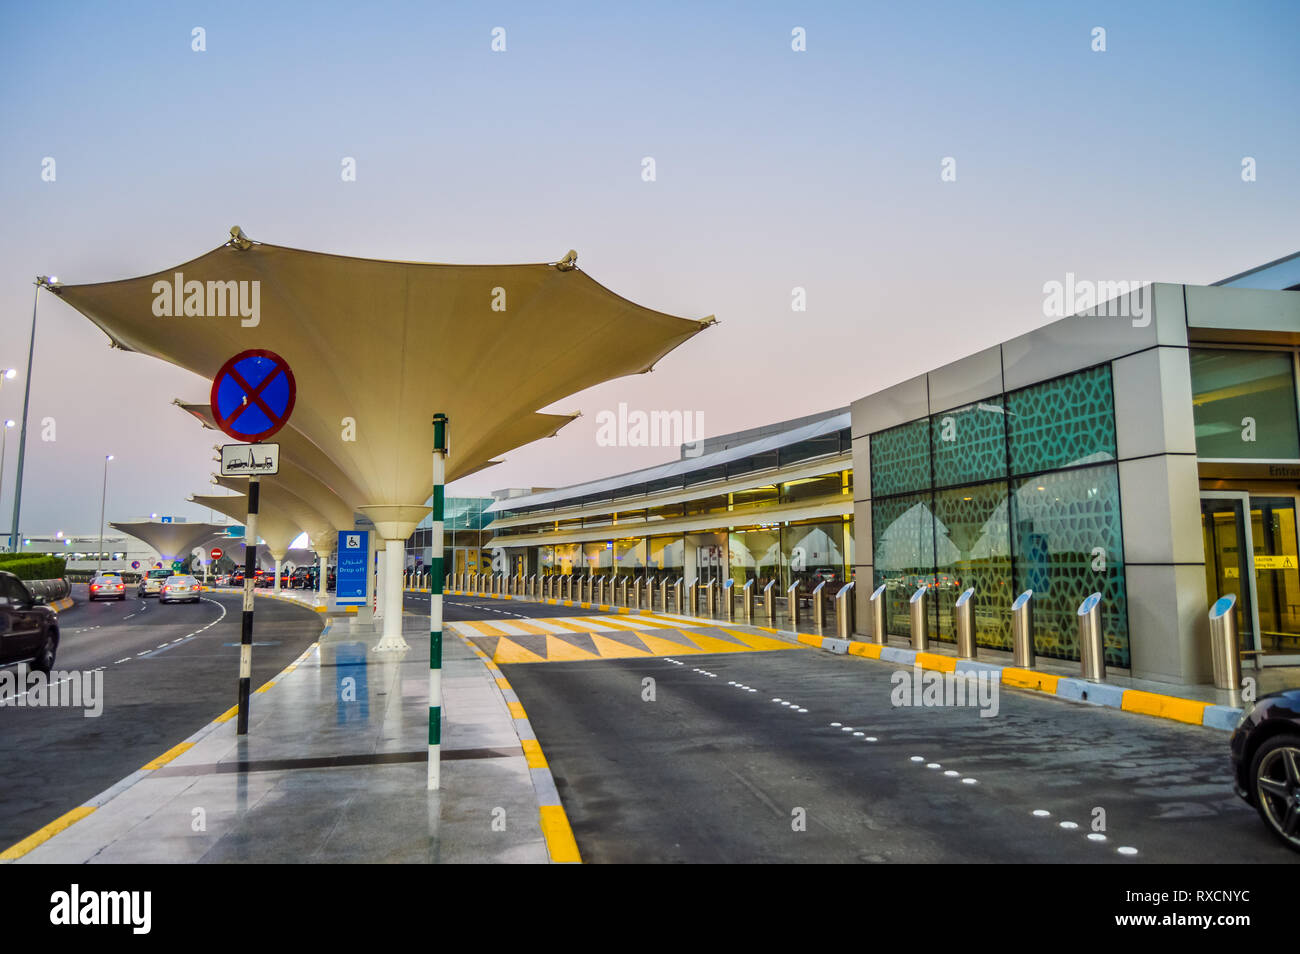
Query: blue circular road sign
x=253 y=395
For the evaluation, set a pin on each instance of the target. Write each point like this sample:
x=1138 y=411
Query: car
x=179 y=588
x=29 y=630
x=301 y=578
x=107 y=586
x=1265 y=749
x=151 y=582
x=237 y=578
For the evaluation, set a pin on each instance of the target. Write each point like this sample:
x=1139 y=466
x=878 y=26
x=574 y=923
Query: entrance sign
x=250 y=460
x=253 y=395
x=353 y=573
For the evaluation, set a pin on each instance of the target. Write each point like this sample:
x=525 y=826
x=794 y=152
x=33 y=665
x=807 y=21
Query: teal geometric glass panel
x=1062 y=423
x=902 y=532
x=900 y=459
x=970 y=444
x=973 y=549
x=1065 y=528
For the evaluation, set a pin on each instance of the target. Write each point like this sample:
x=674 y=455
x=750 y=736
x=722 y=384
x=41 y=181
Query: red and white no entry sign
x=216 y=553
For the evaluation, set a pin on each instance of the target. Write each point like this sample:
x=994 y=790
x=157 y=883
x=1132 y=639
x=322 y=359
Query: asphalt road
x=711 y=772
x=167 y=671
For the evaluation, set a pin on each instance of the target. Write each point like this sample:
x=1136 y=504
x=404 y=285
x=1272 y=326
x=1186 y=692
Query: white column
x=276 y=590
x=377 y=583
x=322 y=594
x=391 y=574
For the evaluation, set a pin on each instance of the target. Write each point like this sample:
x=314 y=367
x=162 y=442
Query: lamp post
x=102 y=498
x=4 y=449
x=14 y=533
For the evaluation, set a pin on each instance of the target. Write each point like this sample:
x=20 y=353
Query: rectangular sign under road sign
x=250 y=460
x=353 y=574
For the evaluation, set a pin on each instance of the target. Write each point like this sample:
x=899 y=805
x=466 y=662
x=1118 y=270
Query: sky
x=775 y=169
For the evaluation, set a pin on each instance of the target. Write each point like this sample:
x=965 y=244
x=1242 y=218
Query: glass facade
x=1019 y=491
x=1244 y=404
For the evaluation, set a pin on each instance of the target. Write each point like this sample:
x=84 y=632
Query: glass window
x=827 y=485
x=973 y=548
x=755 y=555
x=629 y=556
x=667 y=512
x=567 y=558
x=666 y=556
x=1065 y=529
x=597 y=557
x=902 y=531
x=900 y=459
x=1061 y=423
x=755 y=497
x=814 y=553
x=1244 y=404
x=701 y=505
x=970 y=443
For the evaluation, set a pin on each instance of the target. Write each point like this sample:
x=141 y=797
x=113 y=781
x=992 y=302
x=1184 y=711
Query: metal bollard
x=769 y=604
x=677 y=597
x=636 y=593
x=964 y=611
x=1223 y=644
x=1092 y=643
x=729 y=597
x=920 y=620
x=1022 y=630
x=747 y=601
x=710 y=598
x=819 y=611
x=690 y=598
x=792 y=605
x=845 y=611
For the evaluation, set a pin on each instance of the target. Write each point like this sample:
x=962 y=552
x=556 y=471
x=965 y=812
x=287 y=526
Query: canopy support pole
x=435 y=599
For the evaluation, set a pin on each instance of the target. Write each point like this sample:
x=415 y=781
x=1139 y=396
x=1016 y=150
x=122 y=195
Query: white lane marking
x=803 y=710
x=951 y=774
x=1041 y=813
x=1069 y=825
x=870 y=738
x=969 y=781
x=918 y=758
x=1096 y=836
x=127 y=659
x=50 y=686
x=1126 y=850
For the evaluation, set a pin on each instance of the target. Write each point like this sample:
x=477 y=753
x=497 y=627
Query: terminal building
x=1147 y=449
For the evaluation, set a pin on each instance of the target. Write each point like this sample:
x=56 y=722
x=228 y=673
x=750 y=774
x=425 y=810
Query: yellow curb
x=517 y=710
x=167 y=756
x=560 y=842
x=533 y=753
x=807 y=640
x=866 y=650
x=228 y=714
x=1028 y=679
x=503 y=682
x=43 y=835
x=264 y=687
x=1167 y=707
x=935 y=661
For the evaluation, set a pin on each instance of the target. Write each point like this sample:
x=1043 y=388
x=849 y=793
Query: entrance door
x=1229 y=564
x=1277 y=574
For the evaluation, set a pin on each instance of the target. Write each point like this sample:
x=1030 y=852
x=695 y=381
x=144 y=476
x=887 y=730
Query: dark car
x=29 y=630
x=237 y=578
x=301 y=578
x=1266 y=762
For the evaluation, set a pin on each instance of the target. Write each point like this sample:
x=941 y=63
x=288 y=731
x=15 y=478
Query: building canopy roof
x=276 y=529
x=377 y=347
x=171 y=540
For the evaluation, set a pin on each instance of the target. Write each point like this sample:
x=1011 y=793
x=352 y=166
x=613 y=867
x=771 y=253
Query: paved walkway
x=333 y=770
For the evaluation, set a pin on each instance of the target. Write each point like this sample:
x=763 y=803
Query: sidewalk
x=333 y=769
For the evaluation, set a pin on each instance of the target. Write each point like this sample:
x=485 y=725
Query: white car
x=107 y=586
x=179 y=589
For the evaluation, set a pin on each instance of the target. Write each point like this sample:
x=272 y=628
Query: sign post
x=435 y=600
x=352 y=575
x=252 y=397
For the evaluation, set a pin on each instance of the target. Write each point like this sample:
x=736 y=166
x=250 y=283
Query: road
x=168 y=671
x=712 y=772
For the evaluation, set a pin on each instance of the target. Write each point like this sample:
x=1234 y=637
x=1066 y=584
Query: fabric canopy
x=377 y=347
x=277 y=530
x=173 y=541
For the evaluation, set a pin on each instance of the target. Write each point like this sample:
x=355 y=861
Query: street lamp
x=102 y=498
x=42 y=281
x=4 y=449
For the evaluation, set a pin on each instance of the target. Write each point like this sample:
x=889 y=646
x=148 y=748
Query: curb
x=560 y=843
x=1176 y=708
x=89 y=807
x=60 y=605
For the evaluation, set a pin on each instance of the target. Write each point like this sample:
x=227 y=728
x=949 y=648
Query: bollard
x=920 y=620
x=769 y=603
x=1022 y=630
x=566 y=585
x=729 y=597
x=964 y=611
x=690 y=598
x=1223 y=644
x=819 y=611
x=845 y=611
x=677 y=597
x=710 y=598
x=636 y=593
x=1092 y=643
x=747 y=601
x=792 y=605
x=598 y=590
x=620 y=583
x=879 y=617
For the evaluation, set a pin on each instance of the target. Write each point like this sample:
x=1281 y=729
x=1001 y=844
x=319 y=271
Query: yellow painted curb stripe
x=228 y=714
x=264 y=687
x=517 y=710
x=503 y=682
x=935 y=661
x=167 y=756
x=868 y=650
x=559 y=836
x=815 y=641
x=1028 y=679
x=43 y=835
x=1167 y=707
x=533 y=753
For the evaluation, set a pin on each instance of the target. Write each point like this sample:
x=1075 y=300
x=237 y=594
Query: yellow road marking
x=659 y=646
x=1168 y=707
x=711 y=644
x=1028 y=679
x=503 y=683
x=935 y=661
x=508 y=651
x=613 y=649
x=754 y=641
x=482 y=628
x=560 y=651
x=517 y=710
x=533 y=753
x=559 y=835
x=167 y=756
x=228 y=714
x=41 y=836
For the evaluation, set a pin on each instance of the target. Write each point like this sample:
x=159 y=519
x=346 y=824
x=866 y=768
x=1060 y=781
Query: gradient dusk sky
x=775 y=169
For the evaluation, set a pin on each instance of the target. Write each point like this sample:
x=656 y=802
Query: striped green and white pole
x=435 y=600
